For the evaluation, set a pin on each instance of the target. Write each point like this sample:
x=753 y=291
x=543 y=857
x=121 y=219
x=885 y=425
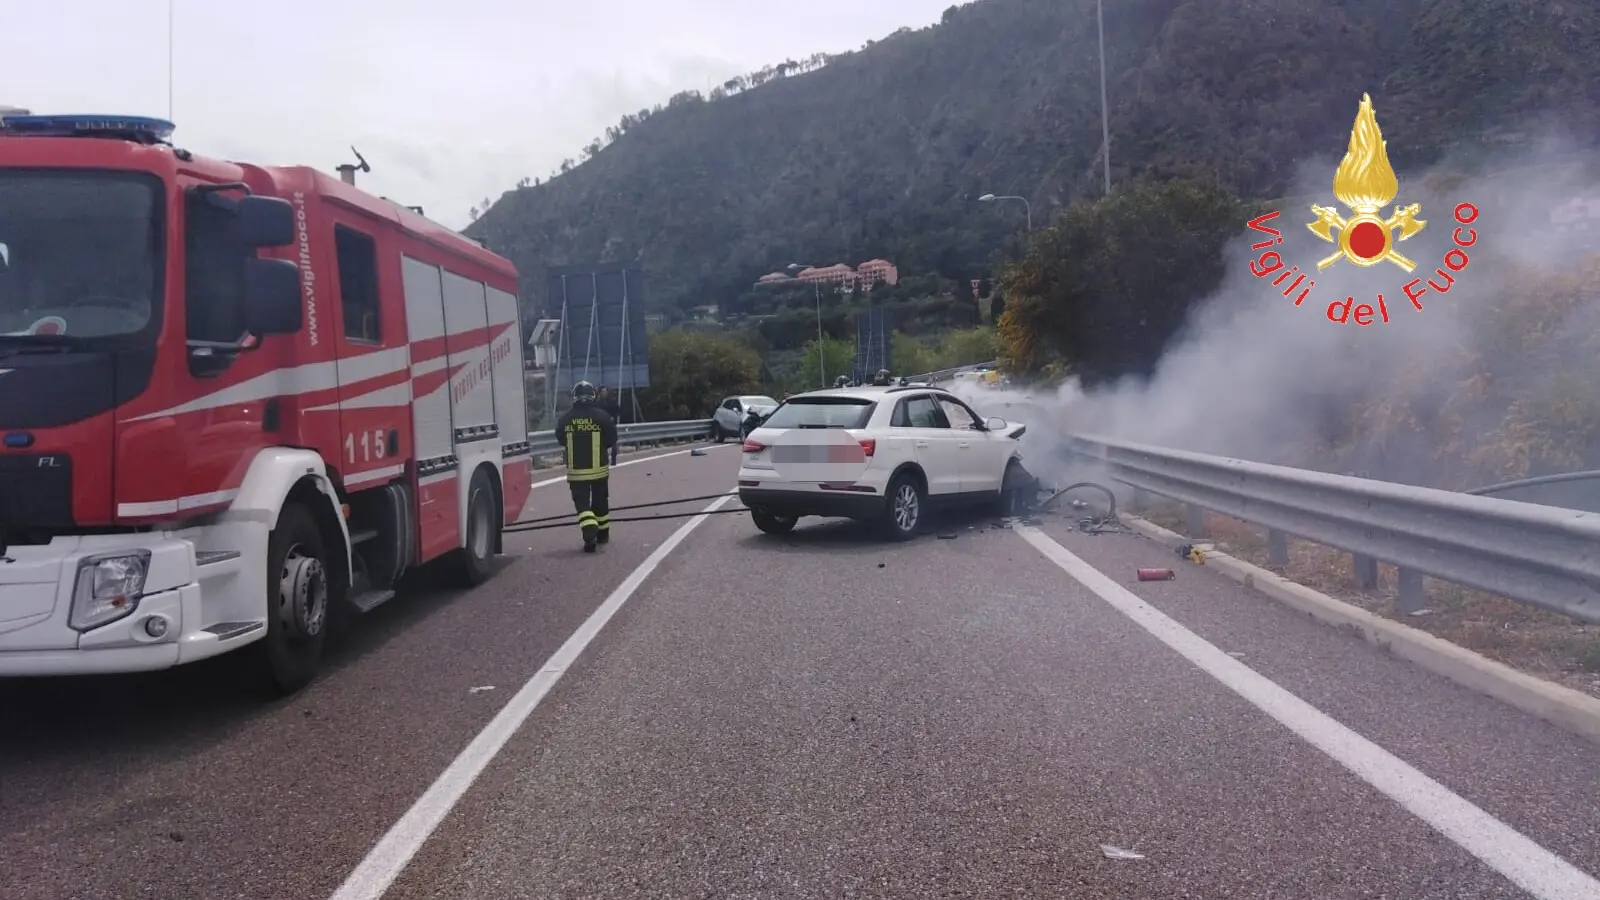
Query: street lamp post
x=822 y=350
x=1105 y=116
x=991 y=198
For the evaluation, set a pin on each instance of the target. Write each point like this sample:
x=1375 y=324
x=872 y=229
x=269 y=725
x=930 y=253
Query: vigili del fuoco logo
x=1364 y=183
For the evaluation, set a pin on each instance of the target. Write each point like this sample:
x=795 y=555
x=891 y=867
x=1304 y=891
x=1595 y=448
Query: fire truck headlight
x=108 y=588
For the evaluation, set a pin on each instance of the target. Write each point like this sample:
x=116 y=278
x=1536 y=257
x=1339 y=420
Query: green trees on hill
x=1104 y=287
x=690 y=373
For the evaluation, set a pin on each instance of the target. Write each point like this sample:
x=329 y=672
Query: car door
x=983 y=453
x=729 y=415
x=919 y=418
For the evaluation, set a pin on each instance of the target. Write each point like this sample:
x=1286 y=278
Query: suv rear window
x=822 y=412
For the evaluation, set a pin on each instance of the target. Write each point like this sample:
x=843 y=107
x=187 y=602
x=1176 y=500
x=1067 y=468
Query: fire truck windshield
x=80 y=254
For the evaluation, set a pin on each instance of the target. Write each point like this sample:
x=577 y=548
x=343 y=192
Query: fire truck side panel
x=437 y=519
x=472 y=409
x=510 y=403
x=467 y=342
x=374 y=386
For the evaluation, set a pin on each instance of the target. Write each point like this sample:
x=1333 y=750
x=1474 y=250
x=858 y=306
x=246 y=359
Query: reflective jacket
x=588 y=433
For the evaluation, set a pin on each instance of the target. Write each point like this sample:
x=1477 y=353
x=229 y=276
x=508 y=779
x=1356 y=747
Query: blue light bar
x=140 y=129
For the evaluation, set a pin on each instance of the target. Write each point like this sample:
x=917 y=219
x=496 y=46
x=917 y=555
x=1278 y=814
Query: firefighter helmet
x=583 y=390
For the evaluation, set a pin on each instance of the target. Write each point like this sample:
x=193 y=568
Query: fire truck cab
x=237 y=402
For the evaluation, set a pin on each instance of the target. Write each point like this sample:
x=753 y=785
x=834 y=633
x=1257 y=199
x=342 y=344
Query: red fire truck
x=237 y=402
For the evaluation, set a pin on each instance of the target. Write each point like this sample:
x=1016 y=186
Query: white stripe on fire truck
x=295 y=380
x=428 y=365
x=371 y=475
x=169 y=507
x=391 y=395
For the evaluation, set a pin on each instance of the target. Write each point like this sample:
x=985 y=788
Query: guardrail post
x=1138 y=499
x=1411 y=599
x=1366 y=572
x=1197 y=521
x=1277 y=548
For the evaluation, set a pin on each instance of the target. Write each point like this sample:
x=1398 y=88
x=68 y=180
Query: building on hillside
x=838 y=275
x=875 y=271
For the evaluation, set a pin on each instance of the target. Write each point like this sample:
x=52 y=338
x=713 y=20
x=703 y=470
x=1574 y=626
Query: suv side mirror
x=265 y=221
x=994 y=423
x=272 y=296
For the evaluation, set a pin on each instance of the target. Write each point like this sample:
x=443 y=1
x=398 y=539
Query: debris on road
x=1119 y=853
x=698 y=451
x=1157 y=575
x=1193 y=554
x=480 y=688
x=947 y=535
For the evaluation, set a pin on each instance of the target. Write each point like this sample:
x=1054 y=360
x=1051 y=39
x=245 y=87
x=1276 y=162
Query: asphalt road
x=817 y=715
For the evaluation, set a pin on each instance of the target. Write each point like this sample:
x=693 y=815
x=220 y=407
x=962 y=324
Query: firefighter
x=589 y=434
x=843 y=381
x=881 y=379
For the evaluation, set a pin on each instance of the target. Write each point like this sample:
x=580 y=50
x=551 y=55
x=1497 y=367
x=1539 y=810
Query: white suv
x=924 y=447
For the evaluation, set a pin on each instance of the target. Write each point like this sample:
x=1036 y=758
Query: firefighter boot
x=589 y=524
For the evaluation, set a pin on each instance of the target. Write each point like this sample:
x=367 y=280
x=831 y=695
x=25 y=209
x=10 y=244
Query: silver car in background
x=728 y=420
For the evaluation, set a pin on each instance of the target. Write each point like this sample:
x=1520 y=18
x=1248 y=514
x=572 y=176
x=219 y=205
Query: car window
x=731 y=403
x=959 y=416
x=920 y=412
x=822 y=412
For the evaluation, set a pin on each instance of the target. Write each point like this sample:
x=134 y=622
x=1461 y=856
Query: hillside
x=878 y=153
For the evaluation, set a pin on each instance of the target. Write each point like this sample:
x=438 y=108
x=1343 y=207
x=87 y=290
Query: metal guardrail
x=544 y=443
x=1541 y=555
x=947 y=374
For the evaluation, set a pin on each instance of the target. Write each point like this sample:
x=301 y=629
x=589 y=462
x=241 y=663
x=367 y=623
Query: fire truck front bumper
x=105 y=604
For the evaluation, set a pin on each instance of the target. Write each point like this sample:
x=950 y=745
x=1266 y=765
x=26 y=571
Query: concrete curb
x=1560 y=706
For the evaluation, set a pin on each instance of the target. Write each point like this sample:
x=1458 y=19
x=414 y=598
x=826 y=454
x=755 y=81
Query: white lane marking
x=395 y=850
x=561 y=479
x=1496 y=844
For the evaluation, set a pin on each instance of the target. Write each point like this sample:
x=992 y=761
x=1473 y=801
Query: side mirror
x=272 y=296
x=994 y=423
x=265 y=221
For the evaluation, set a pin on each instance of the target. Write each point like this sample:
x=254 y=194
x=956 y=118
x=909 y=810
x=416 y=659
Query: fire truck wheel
x=297 y=601
x=483 y=531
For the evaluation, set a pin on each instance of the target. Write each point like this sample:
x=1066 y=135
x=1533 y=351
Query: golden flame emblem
x=1365 y=182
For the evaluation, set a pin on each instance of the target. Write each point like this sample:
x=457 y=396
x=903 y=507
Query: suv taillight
x=754 y=446
x=868 y=445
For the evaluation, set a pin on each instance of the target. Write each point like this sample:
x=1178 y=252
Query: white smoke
x=1254 y=376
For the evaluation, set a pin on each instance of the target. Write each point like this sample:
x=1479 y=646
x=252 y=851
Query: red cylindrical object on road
x=1157 y=575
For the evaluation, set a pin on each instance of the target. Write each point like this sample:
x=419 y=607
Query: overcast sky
x=450 y=101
